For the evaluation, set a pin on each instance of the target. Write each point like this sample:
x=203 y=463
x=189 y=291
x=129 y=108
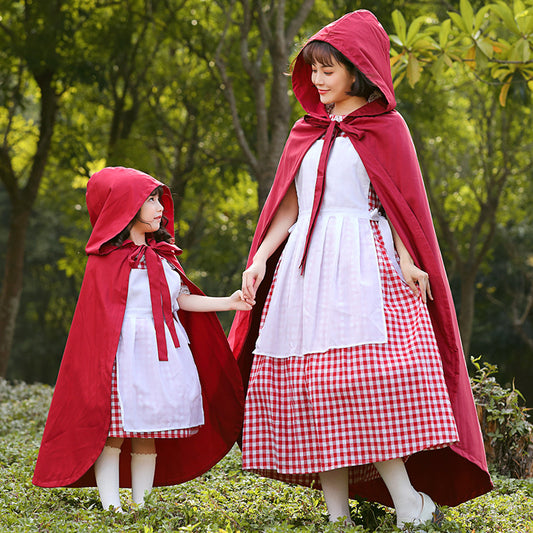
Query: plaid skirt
x=351 y=407
x=116 y=428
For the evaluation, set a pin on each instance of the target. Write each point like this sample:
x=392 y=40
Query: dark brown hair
x=325 y=54
x=160 y=235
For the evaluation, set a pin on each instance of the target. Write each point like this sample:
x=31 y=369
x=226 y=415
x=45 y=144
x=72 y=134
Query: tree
x=467 y=187
x=30 y=37
x=257 y=37
x=469 y=53
x=196 y=93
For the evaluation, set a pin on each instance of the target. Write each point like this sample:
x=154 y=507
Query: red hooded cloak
x=79 y=417
x=379 y=134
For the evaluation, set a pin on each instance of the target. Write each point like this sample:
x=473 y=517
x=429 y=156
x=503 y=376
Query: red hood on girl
x=380 y=136
x=79 y=417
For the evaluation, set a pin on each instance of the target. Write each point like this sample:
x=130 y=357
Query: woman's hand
x=278 y=231
x=252 y=278
x=417 y=279
x=238 y=303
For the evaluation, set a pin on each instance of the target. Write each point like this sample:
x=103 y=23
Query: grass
x=223 y=500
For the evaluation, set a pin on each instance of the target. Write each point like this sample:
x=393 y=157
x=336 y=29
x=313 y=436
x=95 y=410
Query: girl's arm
x=284 y=218
x=417 y=279
x=199 y=303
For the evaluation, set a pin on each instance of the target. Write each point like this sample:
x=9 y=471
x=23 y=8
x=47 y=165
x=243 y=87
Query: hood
x=114 y=196
x=361 y=38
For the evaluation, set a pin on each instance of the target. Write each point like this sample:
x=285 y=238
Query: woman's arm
x=284 y=218
x=417 y=279
x=199 y=303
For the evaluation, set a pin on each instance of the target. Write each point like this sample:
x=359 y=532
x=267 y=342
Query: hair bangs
x=158 y=190
x=325 y=54
x=320 y=52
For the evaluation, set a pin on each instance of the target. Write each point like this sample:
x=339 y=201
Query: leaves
x=414 y=45
x=504 y=420
x=506 y=15
x=413 y=70
x=476 y=39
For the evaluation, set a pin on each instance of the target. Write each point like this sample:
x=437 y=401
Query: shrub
x=507 y=433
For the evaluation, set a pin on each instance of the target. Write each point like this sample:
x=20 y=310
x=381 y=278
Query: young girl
x=358 y=384
x=147 y=367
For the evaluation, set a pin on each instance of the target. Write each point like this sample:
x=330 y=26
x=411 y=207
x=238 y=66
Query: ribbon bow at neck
x=159 y=291
x=333 y=129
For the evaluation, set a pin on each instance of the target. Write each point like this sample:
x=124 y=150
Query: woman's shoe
x=429 y=512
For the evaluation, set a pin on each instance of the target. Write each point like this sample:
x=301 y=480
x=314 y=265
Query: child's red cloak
x=79 y=417
x=380 y=136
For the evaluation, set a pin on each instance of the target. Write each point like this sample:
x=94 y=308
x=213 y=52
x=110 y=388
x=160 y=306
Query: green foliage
x=218 y=230
x=504 y=291
x=508 y=508
x=138 y=85
x=495 y=41
x=223 y=500
x=504 y=422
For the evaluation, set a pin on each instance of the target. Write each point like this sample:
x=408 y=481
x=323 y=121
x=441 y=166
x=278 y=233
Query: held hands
x=417 y=279
x=252 y=278
x=239 y=303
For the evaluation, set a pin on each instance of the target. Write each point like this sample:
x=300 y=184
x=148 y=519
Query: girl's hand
x=252 y=278
x=417 y=279
x=238 y=303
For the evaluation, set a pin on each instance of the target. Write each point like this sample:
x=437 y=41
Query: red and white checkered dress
x=350 y=406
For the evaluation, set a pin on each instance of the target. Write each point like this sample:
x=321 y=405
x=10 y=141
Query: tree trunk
x=274 y=114
x=466 y=310
x=22 y=201
x=279 y=122
x=12 y=282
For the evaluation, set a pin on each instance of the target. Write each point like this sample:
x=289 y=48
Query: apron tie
x=333 y=129
x=159 y=291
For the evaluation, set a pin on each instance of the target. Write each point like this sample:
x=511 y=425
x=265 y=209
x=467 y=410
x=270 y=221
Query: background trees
x=473 y=70
x=197 y=94
x=36 y=42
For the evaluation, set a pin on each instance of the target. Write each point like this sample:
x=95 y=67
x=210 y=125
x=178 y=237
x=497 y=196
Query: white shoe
x=428 y=512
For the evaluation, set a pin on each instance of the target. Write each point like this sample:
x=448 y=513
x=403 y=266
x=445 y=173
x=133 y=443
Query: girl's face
x=148 y=219
x=332 y=83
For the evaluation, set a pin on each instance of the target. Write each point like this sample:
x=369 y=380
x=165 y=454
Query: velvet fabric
x=382 y=139
x=79 y=417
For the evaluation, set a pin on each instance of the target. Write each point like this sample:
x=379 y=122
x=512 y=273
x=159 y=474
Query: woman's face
x=332 y=84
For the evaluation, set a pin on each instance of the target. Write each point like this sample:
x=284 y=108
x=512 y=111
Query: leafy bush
x=223 y=500
x=504 y=422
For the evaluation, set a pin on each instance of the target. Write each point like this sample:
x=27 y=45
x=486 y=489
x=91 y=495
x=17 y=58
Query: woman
x=358 y=383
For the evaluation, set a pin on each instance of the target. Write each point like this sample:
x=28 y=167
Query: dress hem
x=348 y=463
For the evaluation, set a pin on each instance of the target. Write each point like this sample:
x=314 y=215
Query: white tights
x=335 y=488
x=407 y=501
x=106 y=470
x=142 y=475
